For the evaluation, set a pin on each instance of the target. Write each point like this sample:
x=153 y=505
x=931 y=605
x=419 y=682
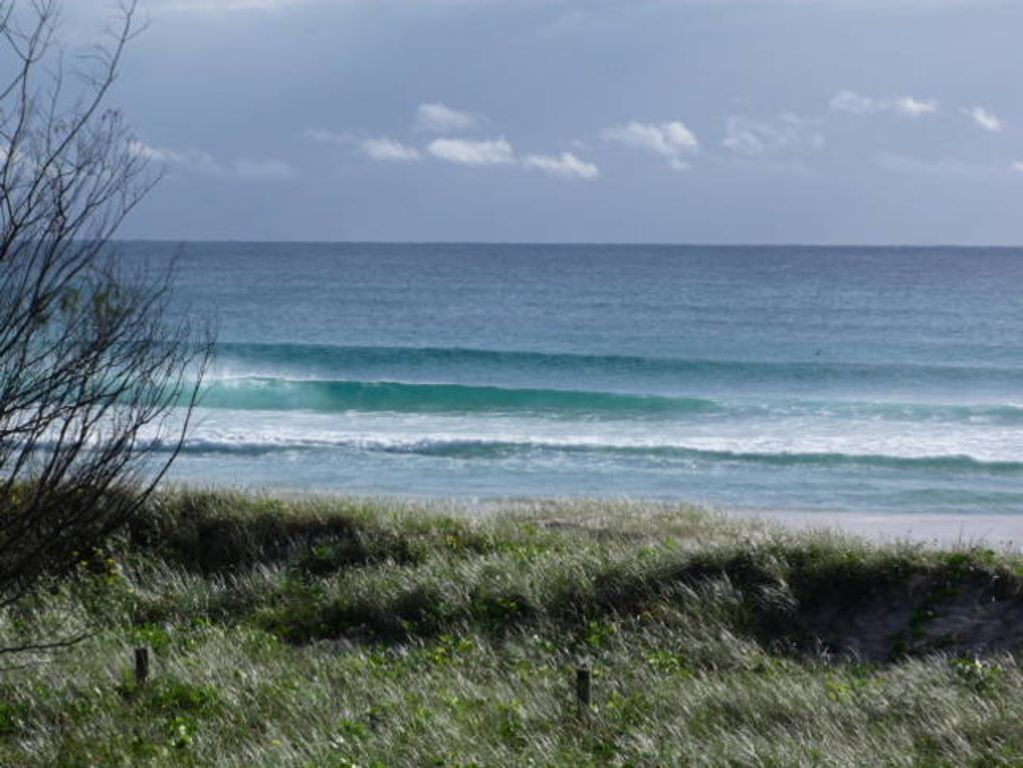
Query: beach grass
x=333 y=631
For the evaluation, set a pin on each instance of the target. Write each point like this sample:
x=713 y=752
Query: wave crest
x=474 y=449
x=257 y=393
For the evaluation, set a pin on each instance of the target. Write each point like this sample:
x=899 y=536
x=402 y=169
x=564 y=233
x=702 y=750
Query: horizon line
x=567 y=243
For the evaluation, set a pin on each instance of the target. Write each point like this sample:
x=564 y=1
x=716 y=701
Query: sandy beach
x=999 y=532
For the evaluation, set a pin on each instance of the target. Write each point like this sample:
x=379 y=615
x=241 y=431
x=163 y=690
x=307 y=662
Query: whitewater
x=878 y=380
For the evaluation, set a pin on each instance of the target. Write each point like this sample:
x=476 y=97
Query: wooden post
x=583 y=688
x=141 y=665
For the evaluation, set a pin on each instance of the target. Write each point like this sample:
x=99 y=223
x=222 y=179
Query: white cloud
x=389 y=151
x=565 y=165
x=381 y=148
x=987 y=120
x=672 y=140
x=468 y=152
x=195 y=161
x=20 y=161
x=858 y=104
x=907 y=105
x=324 y=136
x=758 y=138
x=851 y=102
x=440 y=118
x=264 y=170
x=191 y=160
x=1018 y=167
x=141 y=149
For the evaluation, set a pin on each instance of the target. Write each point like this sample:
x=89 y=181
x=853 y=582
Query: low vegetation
x=347 y=632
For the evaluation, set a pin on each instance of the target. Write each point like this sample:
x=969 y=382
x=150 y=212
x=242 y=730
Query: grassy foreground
x=335 y=632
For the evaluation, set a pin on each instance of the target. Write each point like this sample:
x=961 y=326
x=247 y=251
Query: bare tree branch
x=56 y=645
x=98 y=376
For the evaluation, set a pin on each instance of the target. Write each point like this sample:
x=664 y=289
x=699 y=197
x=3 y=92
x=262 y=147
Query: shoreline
x=996 y=531
x=1003 y=532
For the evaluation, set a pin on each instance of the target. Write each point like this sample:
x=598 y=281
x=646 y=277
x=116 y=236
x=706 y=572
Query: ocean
x=869 y=380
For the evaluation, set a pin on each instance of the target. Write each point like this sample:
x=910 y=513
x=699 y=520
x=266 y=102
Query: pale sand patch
x=1000 y=532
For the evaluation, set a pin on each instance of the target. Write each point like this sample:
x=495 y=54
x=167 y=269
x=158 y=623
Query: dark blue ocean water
x=786 y=378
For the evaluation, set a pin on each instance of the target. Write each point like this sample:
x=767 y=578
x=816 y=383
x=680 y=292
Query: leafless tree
x=98 y=373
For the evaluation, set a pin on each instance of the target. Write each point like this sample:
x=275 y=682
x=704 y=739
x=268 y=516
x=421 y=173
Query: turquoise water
x=830 y=379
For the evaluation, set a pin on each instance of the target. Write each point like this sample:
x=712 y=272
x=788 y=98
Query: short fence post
x=583 y=688
x=141 y=665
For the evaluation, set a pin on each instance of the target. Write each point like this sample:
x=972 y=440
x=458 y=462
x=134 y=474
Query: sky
x=679 y=121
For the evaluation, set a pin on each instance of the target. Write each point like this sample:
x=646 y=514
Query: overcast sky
x=818 y=121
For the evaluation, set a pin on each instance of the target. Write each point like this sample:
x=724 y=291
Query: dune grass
x=353 y=632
